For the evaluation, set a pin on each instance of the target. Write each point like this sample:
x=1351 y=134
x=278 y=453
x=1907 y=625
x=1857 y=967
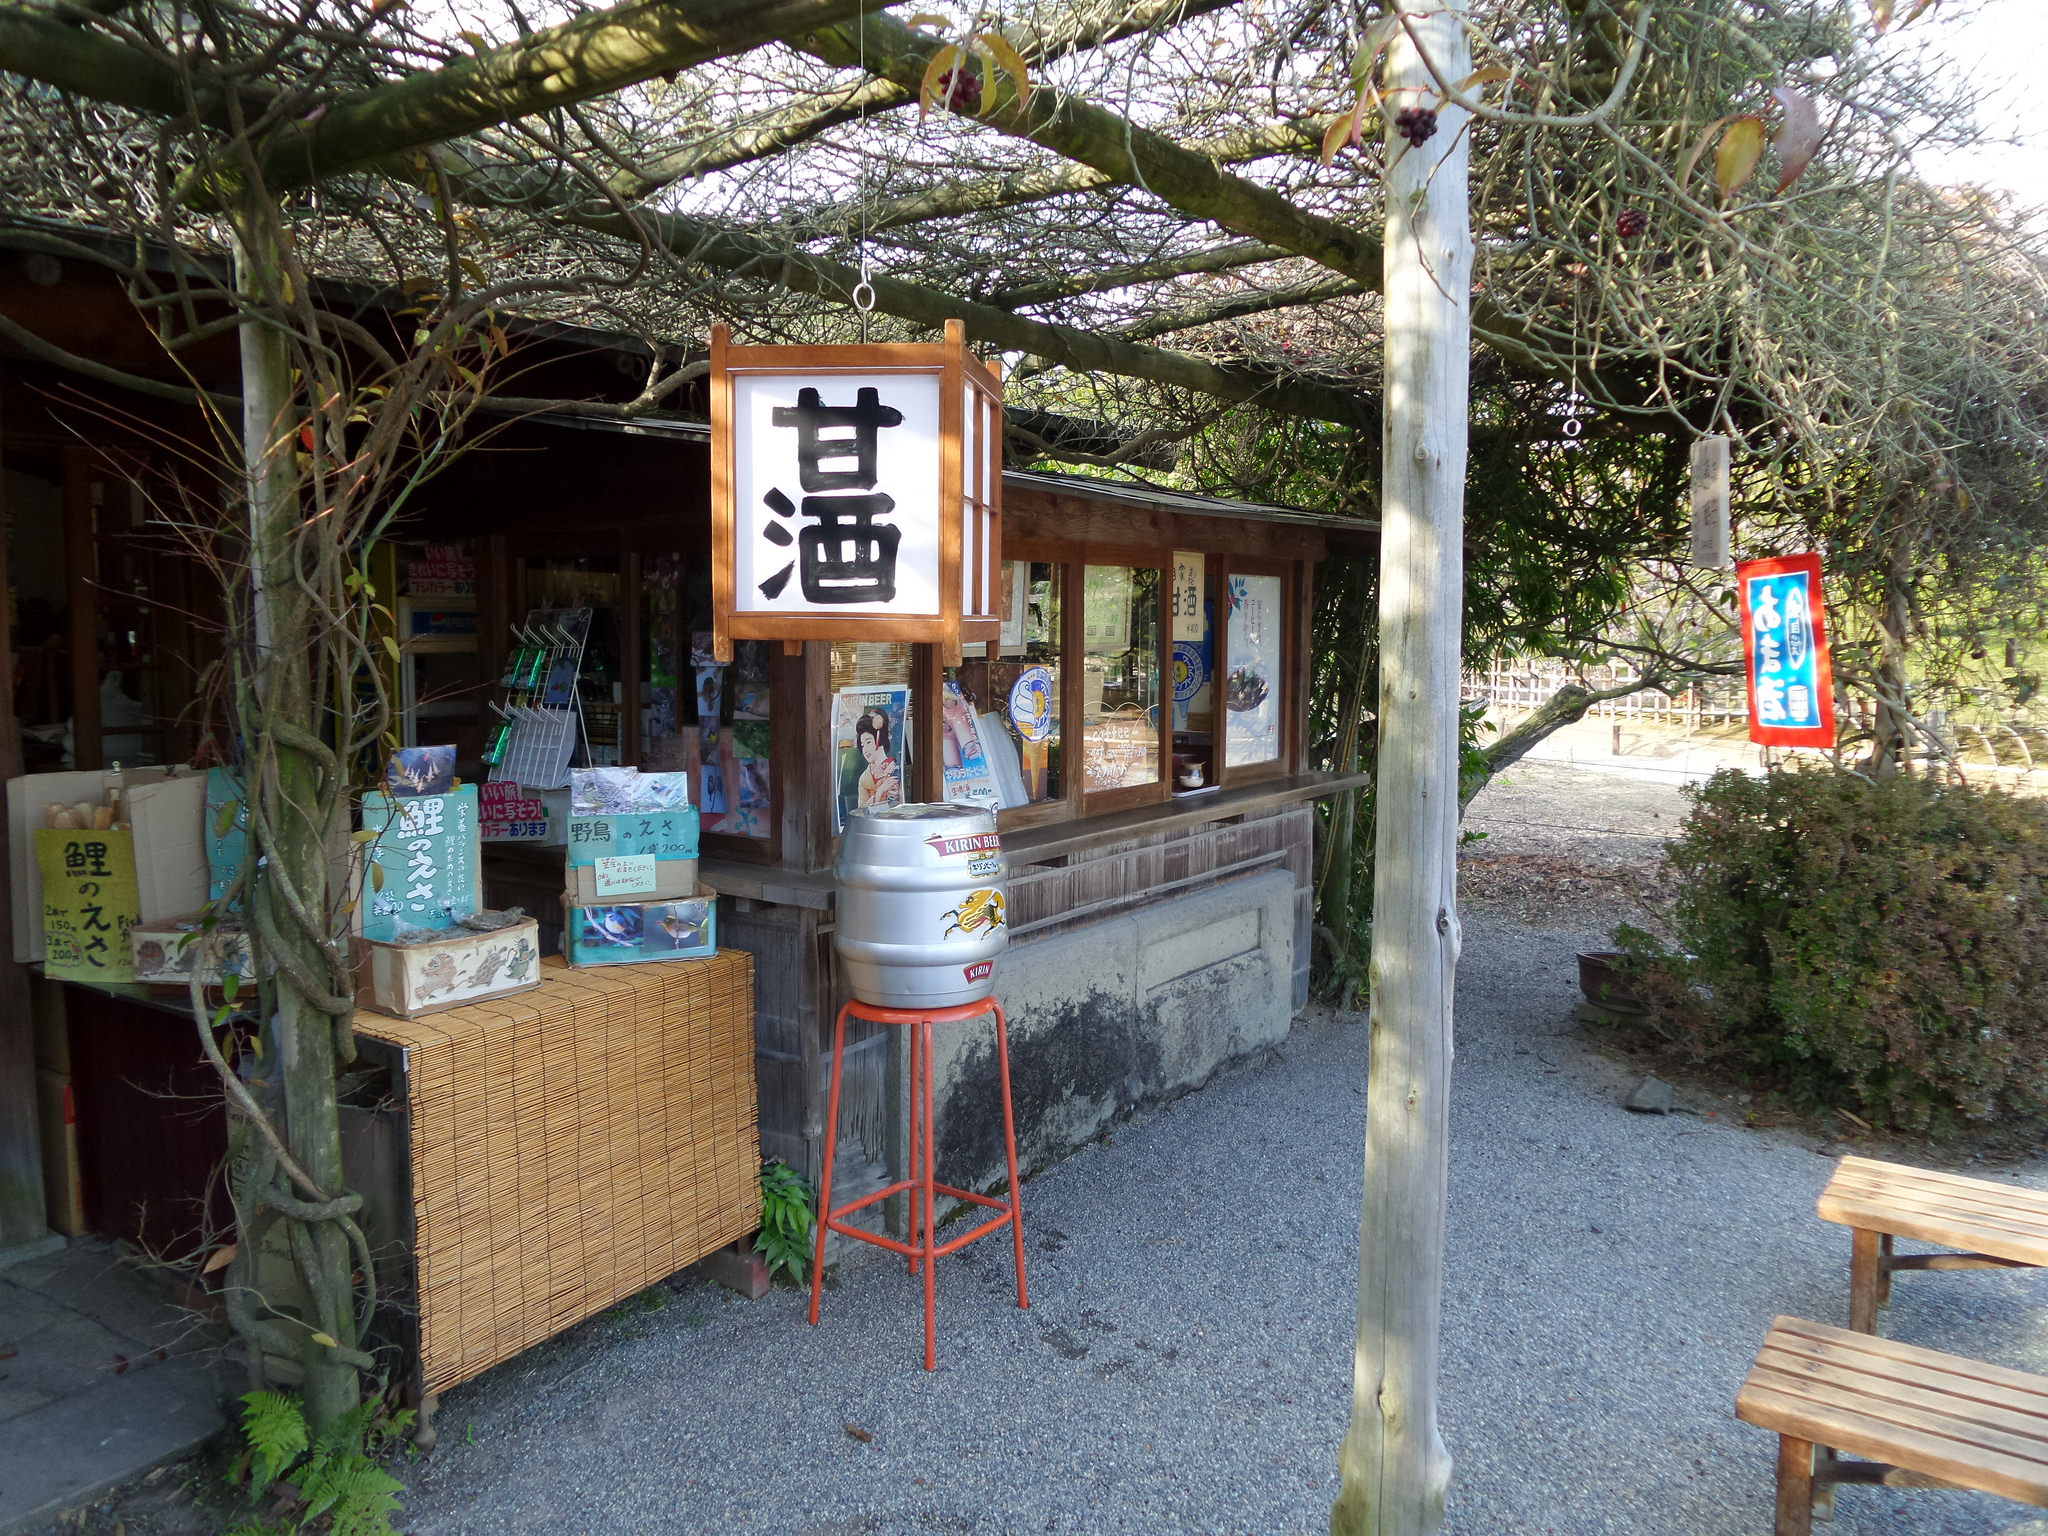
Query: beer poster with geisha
x=871 y=749
x=1785 y=643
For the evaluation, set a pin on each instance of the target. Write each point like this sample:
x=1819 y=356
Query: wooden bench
x=1920 y=1419
x=1998 y=1226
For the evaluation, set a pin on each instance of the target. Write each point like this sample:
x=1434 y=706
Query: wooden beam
x=22 y=1215
x=1129 y=155
x=1214 y=258
x=1083 y=28
x=81 y=578
x=707 y=244
x=955 y=198
x=593 y=55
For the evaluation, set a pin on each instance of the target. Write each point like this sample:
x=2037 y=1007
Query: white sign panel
x=836 y=493
x=1188 y=618
x=626 y=875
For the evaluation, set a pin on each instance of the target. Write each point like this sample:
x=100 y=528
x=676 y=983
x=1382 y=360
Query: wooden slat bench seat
x=1998 y=1226
x=1920 y=1419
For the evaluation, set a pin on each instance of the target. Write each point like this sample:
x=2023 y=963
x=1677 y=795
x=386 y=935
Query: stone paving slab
x=104 y=1378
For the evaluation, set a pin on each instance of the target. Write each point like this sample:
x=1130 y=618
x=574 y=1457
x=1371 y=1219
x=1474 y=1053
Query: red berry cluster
x=1632 y=224
x=960 y=90
x=1416 y=124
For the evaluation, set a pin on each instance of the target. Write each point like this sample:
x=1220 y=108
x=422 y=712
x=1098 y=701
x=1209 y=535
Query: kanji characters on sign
x=846 y=557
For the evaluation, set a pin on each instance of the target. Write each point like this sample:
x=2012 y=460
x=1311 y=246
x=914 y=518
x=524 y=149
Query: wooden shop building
x=1157 y=931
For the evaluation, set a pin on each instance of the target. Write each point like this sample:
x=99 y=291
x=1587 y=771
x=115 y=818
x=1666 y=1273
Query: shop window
x=1001 y=729
x=1121 y=683
x=1254 y=672
x=735 y=741
x=713 y=722
x=563 y=585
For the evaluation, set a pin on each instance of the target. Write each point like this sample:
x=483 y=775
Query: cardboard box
x=57 y=1114
x=629 y=932
x=166 y=953
x=463 y=966
x=664 y=834
x=166 y=808
x=632 y=877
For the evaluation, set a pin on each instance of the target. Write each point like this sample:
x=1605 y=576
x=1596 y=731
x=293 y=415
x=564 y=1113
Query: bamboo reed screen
x=573 y=1145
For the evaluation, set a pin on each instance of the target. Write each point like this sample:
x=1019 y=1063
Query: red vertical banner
x=1785 y=649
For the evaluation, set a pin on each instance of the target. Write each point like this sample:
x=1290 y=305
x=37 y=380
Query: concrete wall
x=1112 y=1015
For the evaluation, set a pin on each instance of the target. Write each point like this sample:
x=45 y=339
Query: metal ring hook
x=864 y=298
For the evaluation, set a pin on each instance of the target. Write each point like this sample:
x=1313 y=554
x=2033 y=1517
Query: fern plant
x=333 y=1475
x=787 y=1220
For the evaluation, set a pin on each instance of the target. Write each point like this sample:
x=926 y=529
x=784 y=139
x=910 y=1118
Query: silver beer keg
x=921 y=895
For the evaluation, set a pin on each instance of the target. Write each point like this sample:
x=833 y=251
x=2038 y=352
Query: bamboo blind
x=573 y=1145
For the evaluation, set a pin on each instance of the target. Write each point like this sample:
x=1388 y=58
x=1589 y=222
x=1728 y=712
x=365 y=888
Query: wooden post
x=1794 y=1514
x=22 y=1217
x=1864 y=1278
x=81 y=556
x=632 y=657
x=285 y=784
x=1394 y=1465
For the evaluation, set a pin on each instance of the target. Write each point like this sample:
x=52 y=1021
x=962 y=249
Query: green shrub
x=787 y=1220
x=334 y=1475
x=1882 y=946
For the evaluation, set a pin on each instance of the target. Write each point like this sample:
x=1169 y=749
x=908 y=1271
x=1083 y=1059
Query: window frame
x=1282 y=764
x=1064 y=806
x=1107 y=801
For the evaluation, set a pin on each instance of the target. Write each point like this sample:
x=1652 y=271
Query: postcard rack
x=540 y=720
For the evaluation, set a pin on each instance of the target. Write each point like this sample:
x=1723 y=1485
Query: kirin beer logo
x=980 y=842
x=979 y=971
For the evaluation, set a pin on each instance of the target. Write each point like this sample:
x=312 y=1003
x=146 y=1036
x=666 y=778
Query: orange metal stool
x=923 y=1185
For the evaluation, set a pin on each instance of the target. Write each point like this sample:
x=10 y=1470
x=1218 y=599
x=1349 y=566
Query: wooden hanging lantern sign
x=856 y=494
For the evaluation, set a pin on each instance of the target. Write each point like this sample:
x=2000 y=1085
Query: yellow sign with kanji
x=89 y=904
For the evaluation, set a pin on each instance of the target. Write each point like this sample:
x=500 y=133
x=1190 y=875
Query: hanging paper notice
x=1188 y=619
x=969 y=778
x=711 y=786
x=623 y=876
x=871 y=746
x=1784 y=638
x=1251 y=693
x=89 y=904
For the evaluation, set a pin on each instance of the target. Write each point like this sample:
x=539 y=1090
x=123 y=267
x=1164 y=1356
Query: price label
x=625 y=875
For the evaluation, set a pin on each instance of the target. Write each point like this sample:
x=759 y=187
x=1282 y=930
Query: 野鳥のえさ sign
x=1785 y=644
x=855 y=494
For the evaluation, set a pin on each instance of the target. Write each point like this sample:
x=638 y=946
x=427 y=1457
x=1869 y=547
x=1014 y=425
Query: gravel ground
x=1184 y=1365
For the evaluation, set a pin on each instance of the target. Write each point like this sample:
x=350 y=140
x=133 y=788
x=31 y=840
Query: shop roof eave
x=1122 y=492
x=1191 y=502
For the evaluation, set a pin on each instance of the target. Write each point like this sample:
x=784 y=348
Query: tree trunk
x=1891 y=746
x=1565 y=707
x=1394 y=1465
x=285 y=789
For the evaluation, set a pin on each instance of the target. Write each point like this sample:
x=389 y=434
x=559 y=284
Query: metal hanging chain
x=864 y=290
